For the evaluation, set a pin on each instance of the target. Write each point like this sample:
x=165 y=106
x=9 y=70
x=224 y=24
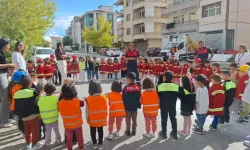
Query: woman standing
x=4 y=105
x=61 y=62
x=18 y=56
x=243 y=56
x=174 y=54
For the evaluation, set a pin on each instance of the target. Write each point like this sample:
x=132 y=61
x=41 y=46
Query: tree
x=66 y=41
x=101 y=37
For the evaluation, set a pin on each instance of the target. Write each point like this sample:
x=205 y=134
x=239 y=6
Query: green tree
x=101 y=37
x=66 y=41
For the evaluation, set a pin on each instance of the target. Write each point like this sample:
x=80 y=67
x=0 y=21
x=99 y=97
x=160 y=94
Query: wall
x=154 y=43
x=128 y=24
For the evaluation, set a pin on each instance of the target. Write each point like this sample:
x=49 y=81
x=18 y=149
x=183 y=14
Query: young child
x=131 y=94
x=40 y=70
x=54 y=66
x=150 y=102
x=233 y=72
x=156 y=70
x=103 y=67
x=244 y=107
x=123 y=68
x=176 y=69
x=161 y=71
x=40 y=88
x=170 y=63
x=82 y=68
x=187 y=103
x=116 y=109
x=26 y=108
x=96 y=113
x=34 y=80
x=116 y=68
x=186 y=68
x=151 y=70
x=75 y=67
x=216 y=67
x=198 y=67
x=95 y=72
x=145 y=67
x=168 y=98
x=207 y=71
x=110 y=69
x=48 y=70
x=48 y=107
x=140 y=66
x=72 y=118
x=202 y=103
x=216 y=100
x=69 y=67
x=31 y=67
x=230 y=89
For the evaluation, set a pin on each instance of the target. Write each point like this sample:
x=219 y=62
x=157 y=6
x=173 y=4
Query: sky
x=67 y=9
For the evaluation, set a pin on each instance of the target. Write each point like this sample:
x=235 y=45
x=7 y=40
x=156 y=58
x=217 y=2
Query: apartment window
x=128 y=17
x=193 y=16
x=142 y=29
x=127 y=3
x=179 y=19
x=128 y=31
x=211 y=10
x=97 y=15
x=142 y=14
x=176 y=2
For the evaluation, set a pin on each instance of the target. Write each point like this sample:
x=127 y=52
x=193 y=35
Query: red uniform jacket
x=69 y=68
x=207 y=71
x=170 y=66
x=40 y=72
x=217 y=71
x=116 y=67
x=140 y=64
x=216 y=100
x=110 y=68
x=48 y=71
x=122 y=65
x=161 y=69
x=176 y=69
x=151 y=69
x=75 y=67
x=103 y=67
x=241 y=85
x=31 y=69
x=145 y=68
x=54 y=65
x=156 y=69
x=184 y=69
x=197 y=70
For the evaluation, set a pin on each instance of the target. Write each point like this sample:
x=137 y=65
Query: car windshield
x=152 y=48
x=45 y=51
x=169 y=45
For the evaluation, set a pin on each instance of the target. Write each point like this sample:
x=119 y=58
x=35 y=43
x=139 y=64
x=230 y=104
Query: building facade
x=54 y=41
x=76 y=31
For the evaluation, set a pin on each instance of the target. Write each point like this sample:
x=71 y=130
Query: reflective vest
x=82 y=65
x=229 y=85
x=116 y=108
x=168 y=87
x=150 y=103
x=97 y=111
x=71 y=113
x=15 y=88
x=187 y=93
x=48 y=106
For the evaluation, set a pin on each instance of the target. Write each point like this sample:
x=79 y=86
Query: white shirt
x=18 y=59
x=242 y=59
x=202 y=100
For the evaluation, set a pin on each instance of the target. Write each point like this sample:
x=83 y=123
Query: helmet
x=52 y=56
x=74 y=56
x=39 y=60
x=244 y=68
x=198 y=60
x=17 y=76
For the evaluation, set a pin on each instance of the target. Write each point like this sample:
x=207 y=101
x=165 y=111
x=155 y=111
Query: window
x=142 y=14
x=128 y=17
x=211 y=10
x=193 y=16
x=142 y=29
x=179 y=19
x=176 y=2
x=128 y=31
x=90 y=20
x=127 y=3
x=181 y=46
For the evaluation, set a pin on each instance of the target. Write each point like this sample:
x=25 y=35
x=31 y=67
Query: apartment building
x=142 y=22
x=76 y=30
x=68 y=32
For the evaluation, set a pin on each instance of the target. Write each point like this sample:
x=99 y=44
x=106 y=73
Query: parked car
x=41 y=52
x=114 y=52
x=67 y=48
x=103 y=51
x=154 y=51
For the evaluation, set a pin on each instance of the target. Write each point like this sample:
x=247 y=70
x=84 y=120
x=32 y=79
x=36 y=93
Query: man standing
x=131 y=56
x=203 y=52
x=61 y=62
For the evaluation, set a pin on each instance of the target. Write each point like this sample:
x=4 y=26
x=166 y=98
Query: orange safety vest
x=116 y=108
x=71 y=113
x=97 y=110
x=150 y=103
x=15 y=88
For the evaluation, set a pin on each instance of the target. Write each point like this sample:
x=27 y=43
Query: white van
x=41 y=52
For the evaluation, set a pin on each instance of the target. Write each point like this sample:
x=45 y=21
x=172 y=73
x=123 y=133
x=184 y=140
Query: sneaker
x=133 y=133
x=174 y=135
x=37 y=146
x=227 y=123
x=196 y=121
x=28 y=145
x=94 y=146
x=247 y=138
x=246 y=143
x=182 y=132
x=100 y=146
x=57 y=142
x=6 y=125
x=214 y=128
x=198 y=131
x=240 y=120
x=127 y=132
x=195 y=126
x=11 y=121
x=163 y=135
x=147 y=135
x=117 y=134
x=153 y=135
x=110 y=137
x=221 y=123
x=246 y=119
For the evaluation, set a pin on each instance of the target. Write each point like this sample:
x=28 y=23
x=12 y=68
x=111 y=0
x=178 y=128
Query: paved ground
x=227 y=137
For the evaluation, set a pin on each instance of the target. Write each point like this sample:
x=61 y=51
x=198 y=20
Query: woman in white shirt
x=174 y=54
x=243 y=56
x=18 y=56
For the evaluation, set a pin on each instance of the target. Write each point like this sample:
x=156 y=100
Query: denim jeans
x=201 y=120
x=95 y=75
x=4 y=104
x=89 y=74
x=215 y=121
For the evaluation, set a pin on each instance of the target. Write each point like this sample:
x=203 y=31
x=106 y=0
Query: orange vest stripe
x=14 y=90
x=116 y=108
x=150 y=103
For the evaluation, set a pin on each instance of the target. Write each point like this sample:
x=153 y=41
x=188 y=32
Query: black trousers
x=59 y=77
x=226 y=116
x=55 y=77
x=171 y=112
x=160 y=80
x=93 y=134
x=20 y=124
x=123 y=74
x=110 y=76
x=42 y=129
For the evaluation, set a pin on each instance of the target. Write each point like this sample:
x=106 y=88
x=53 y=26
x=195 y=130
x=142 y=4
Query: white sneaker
x=147 y=135
x=110 y=137
x=94 y=146
x=6 y=125
x=37 y=146
x=117 y=134
x=11 y=121
x=153 y=135
x=28 y=146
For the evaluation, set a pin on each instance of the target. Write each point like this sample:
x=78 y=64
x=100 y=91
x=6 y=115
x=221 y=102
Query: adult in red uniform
x=203 y=52
x=198 y=67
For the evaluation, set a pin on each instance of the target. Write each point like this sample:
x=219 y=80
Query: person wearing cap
x=240 y=88
x=55 y=69
x=4 y=105
x=203 y=53
x=198 y=67
x=40 y=70
x=168 y=93
x=233 y=72
x=131 y=94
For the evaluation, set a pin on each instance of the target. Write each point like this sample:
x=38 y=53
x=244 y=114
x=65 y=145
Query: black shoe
x=133 y=133
x=198 y=131
x=221 y=123
x=127 y=132
x=163 y=135
x=174 y=135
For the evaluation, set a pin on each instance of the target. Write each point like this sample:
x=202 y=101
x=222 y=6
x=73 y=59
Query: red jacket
x=207 y=71
x=216 y=100
x=241 y=85
x=197 y=70
x=48 y=71
x=176 y=69
x=123 y=66
x=161 y=69
x=184 y=69
x=145 y=68
x=116 y=67
x=156 y=69
x=54 y=65
x=69 y=68
x=151 y=69
x=40 y=72
x=110 y=68
x=170 y=66
x=140 y=64
x=75 y=67
x=103 y=67
x=217 y=71
x=30 y=69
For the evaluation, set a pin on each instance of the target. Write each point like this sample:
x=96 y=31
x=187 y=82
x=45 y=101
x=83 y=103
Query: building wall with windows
x=76 y=30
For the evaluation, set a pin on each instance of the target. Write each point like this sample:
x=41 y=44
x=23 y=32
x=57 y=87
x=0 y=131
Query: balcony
x=119 y=2
x=145 y=3
x=185 y=26
x=149 y=19
x=120 y=24
x=119 y=13
x=147 y=36
x=180 y=5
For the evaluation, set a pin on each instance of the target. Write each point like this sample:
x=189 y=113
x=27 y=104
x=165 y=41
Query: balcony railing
x=137 y=2
x=176 y=3
x=180 y=5
x=190 y=25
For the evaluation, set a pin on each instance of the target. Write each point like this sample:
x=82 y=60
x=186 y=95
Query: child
x=150 y=102
x=233 y=72
x=40 y=89
x=156 y=70
x=31 y=67
x=202 y=103
x=82 y=68
x=168 y=98
x=96 y=113
x=151 y=69
x=75 y=67
x=131 y=94
x=187 y=68
x=95 y=71
x=110 y=69
x=161 y=69
x=69 y=67
x=54 y=66
x=244 y=107
x=140 y=65
x=116 y=109
x=216 y=100
x=198 y=67
x=40 y=70
x=207 y=71
x=123 y=68
x=230 y=89
x=145 y=67
x=72 y=118
x=216 y=67
x=26 y=108
x=48 y=70
x=170 y=64
x=176 y=69
x=49 y=113
x=116 y=68
x=103 y=67
x=187 y=103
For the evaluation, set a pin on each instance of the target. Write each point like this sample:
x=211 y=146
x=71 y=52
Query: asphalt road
x=228 y=137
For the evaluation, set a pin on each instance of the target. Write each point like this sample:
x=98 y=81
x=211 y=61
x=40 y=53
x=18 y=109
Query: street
x=228 y=137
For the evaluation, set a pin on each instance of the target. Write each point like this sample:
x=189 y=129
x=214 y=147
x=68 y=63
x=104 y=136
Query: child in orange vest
x=150 y=102
x=48 y=70
x=72 y=118
x=96 y=113
x=116 y=109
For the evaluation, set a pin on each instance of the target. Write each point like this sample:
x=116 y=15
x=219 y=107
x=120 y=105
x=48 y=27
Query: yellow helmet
x=244 y=68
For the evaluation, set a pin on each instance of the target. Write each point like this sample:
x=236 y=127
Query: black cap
x=131 y=75
x=3 y=42
x=30 y=61
x=169 y=75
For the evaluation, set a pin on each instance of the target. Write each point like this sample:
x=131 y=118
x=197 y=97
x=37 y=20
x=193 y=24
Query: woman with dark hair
x=18 y=56
x=174 y=53
x=61 y=61
x=4 y=104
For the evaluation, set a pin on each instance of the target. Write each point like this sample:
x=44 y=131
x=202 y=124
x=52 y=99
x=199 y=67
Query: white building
x=76 y=31
x=54 y=41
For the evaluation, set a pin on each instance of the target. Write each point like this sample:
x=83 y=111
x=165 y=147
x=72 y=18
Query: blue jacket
x=131 y=97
